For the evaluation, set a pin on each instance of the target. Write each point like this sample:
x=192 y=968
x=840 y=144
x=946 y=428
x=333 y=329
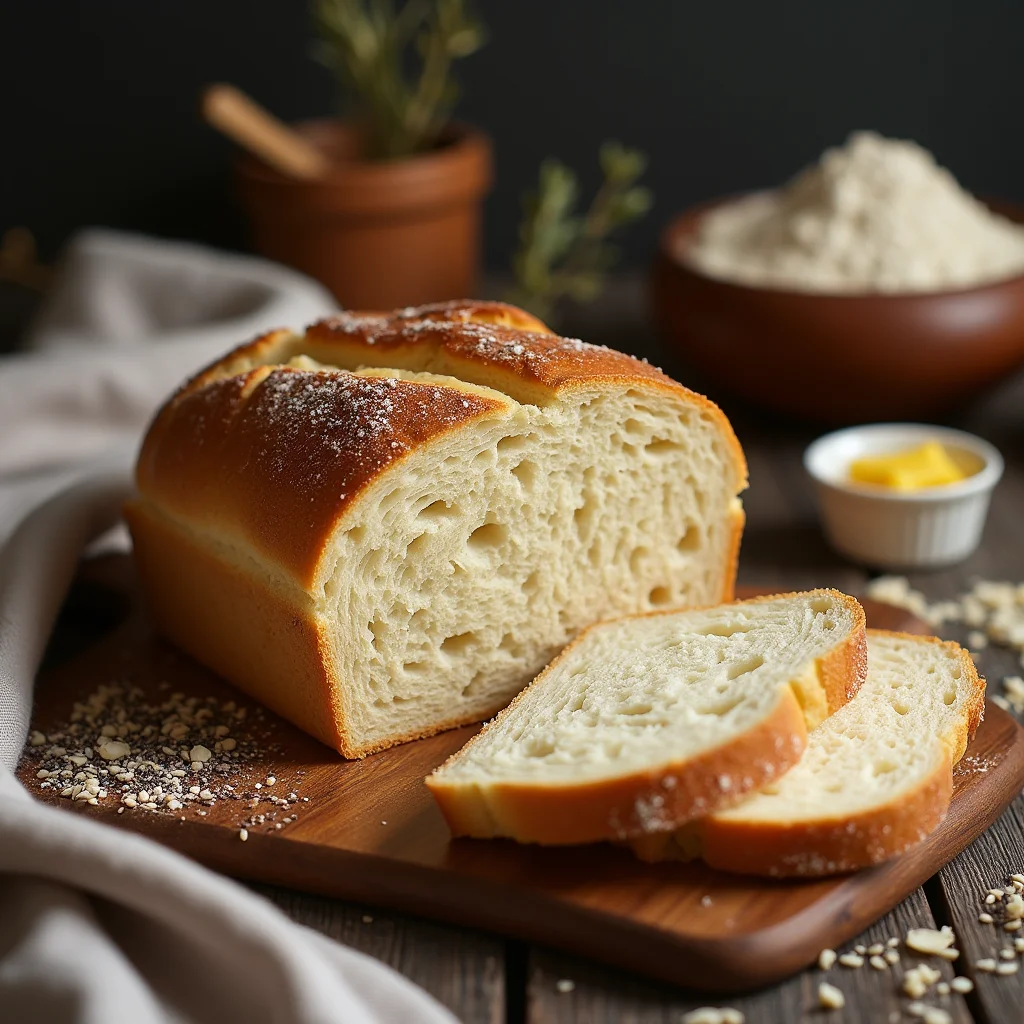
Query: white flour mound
x=877 y=215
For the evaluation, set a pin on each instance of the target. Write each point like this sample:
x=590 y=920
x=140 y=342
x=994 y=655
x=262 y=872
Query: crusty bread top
x=274 y=454
x=491 y=343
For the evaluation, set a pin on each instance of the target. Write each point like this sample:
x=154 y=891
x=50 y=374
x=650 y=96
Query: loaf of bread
x=650 y=721
x=386 y=526
x=876 y=777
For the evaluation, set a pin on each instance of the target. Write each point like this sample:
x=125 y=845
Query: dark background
x=100 y=122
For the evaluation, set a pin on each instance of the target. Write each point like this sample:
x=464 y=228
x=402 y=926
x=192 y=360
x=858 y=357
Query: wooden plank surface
x=371 y=831
x=599 y=996
x=963 y=885
x=463 y=969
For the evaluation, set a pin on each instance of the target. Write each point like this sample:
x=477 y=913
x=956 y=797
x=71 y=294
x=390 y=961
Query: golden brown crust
x=821 y=848
x=843 y=670
x=421 y=339
x=265 y=459
x=737 y=521
x=635 y=805
x=275 y=455
x=232 y=621
x=261 y=351
x=499 y=346
x=824 y=847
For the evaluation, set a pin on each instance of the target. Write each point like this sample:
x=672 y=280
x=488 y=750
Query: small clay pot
x=839 y=358
x=378 y=233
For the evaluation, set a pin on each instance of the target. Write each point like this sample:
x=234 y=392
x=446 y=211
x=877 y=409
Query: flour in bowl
x=877 y=215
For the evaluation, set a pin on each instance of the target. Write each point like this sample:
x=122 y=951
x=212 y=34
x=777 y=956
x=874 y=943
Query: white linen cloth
x=98 y=926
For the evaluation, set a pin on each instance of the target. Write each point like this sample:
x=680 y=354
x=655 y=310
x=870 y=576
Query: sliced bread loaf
x=388 y=525
x=876 y=778
x=646 y=722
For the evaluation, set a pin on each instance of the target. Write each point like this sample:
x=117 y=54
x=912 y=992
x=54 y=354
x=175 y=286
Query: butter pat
x=928 y=465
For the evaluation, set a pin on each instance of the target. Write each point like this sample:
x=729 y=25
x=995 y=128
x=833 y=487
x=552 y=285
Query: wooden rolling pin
x=230 y=111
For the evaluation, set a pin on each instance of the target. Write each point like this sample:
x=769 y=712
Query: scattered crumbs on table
x=930 y=940
x=713 y=1015
x=830 y=997
x=929 y=1014
x=919 y=979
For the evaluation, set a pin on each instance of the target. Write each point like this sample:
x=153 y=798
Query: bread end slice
x=825 y=835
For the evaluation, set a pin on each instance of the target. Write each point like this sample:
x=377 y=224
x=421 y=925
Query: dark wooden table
x=485 y=978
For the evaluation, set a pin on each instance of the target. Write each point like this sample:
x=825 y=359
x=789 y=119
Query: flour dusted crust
x=276 y=454
x=257 y=469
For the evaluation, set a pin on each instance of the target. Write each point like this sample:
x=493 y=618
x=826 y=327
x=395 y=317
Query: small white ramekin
x=930 y=527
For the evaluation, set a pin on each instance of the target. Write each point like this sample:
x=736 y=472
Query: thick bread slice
x=389 y=525
x=647 y=722
x=876 y=778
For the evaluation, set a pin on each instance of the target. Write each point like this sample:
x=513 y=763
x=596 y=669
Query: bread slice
x=388 y=525
x=876 y=778
x=646 y=722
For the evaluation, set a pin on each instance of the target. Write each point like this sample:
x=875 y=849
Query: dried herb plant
x=394 y=66
x=565 y=255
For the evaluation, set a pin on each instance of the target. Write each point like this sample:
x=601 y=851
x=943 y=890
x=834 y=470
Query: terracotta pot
x=839 y=358
x=378 y=234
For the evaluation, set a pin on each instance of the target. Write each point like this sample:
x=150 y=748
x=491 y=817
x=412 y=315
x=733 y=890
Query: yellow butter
x=928 y=465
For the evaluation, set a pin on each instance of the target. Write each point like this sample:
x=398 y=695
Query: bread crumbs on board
x=714 y=1015
x=169 y=754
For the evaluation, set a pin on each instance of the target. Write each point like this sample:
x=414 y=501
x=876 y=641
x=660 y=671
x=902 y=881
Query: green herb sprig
x=402 y=101
x=564 y=255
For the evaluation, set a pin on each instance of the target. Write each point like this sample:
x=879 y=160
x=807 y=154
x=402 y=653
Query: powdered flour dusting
x=875 y=215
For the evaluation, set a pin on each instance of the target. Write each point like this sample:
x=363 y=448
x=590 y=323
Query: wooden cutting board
x=370 y=832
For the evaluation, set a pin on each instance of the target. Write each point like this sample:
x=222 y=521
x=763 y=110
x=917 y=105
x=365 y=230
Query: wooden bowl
x=838 y=358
